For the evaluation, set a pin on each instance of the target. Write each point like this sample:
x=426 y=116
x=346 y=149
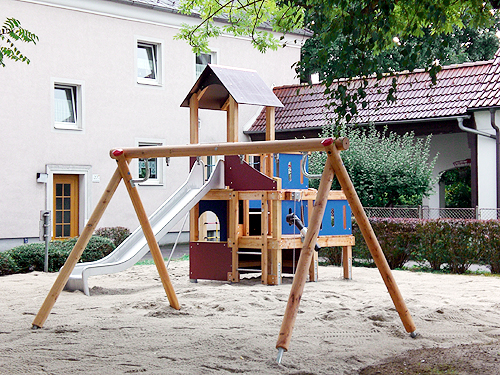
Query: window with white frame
x=154 y=165
x=202 y=60
x=67 y=105
x=149 y=63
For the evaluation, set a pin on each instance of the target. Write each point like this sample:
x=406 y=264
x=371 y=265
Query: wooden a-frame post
x=334 y=166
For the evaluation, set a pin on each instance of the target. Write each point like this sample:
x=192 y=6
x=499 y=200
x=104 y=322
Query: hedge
x=442 y=243
x=30 y=257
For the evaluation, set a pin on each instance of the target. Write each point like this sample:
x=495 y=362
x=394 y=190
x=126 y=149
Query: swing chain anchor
x=280 y=355
x=135 y=181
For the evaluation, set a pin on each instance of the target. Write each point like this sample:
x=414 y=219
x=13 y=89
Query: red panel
x=209 y=260
x=241 y=176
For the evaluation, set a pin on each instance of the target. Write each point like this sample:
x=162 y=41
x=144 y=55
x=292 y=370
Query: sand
x=126 y=325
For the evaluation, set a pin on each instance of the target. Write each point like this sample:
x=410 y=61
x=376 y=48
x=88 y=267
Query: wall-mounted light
x=42 y=177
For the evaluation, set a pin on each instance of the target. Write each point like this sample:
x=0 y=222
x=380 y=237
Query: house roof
x=459 y=88
x=218 y=82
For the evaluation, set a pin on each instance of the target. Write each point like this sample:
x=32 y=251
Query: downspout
x=497 y=132
x=484 y=134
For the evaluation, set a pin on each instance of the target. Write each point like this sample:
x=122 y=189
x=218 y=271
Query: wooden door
x=65 y=210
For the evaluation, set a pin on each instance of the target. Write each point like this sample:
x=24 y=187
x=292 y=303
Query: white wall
x=486 y=164
x=98 y=50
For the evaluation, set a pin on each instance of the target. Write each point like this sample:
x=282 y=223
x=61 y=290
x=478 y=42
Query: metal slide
x=130 y=251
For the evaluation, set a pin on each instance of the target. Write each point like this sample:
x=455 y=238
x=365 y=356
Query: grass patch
x=148 y=262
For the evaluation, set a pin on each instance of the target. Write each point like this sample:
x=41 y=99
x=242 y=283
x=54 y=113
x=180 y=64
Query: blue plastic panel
x=340 y=212
x=289 y=172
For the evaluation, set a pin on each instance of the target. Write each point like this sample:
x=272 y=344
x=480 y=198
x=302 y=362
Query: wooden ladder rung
x=250 y=252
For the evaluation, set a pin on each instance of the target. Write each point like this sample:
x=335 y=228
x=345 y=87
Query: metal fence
x=424 y=212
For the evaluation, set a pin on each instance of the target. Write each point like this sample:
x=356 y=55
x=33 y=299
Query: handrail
x=135 y=181
x=303 y=168
x=231 y=148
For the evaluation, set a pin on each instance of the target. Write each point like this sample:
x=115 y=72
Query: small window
x=203 y=59
x=155 y=166
x=148 y=63
x=67 y=109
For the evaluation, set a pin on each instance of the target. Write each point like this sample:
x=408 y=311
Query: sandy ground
x=126 y=325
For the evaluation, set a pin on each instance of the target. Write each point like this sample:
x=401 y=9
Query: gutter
x=496 y=137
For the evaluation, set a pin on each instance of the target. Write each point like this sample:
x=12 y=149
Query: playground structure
x=224 y=88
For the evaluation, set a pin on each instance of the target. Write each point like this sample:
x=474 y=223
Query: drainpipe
x=497 y=132
x=484 y=134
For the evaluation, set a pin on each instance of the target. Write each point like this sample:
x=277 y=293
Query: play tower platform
x=260 y=191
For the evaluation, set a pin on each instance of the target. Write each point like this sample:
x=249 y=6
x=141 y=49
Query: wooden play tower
x=253 y=207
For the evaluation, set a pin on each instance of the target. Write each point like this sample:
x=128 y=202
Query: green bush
x=333 y=255
x=31 y=257
x=396 y=237
x=453 y=244
x=115 y=234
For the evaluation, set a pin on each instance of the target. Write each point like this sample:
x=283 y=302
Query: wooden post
x=347 y=262
x=77 y=251
x=232 y=120
x=270 y=136
x=263 y=238
x=233 y=235
x=275 y=254
x=193 y=119
x=304 y=262
x=148 y=232
x=366 y=229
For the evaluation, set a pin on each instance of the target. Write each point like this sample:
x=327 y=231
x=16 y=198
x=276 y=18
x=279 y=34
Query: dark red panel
x=241 y=176
x=209 y=260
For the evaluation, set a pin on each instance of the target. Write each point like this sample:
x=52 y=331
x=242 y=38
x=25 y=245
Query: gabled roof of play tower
x=459 y=89
x=216 y=83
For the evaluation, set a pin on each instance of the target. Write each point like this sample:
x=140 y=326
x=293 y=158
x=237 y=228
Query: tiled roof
x=459 y=88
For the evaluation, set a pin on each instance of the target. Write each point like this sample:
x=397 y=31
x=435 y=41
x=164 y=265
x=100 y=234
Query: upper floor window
x=67 y=105
x=149 y=63
x=203 y=59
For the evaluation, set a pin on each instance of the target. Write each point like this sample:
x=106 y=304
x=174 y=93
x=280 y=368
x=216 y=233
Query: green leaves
x=386 y=169
x=10 y=33
x=256 y=19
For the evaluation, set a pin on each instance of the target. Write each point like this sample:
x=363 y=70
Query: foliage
x=459 y=46
x=115 y=234
x=10 y=33
x=457 y=187
x=448 y=244
x=360 y=32
x=396 y=238
x=386 y=169
x=31 y=257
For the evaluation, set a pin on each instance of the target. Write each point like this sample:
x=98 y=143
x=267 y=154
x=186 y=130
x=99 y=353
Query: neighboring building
x=456 y=111
x=104 y=74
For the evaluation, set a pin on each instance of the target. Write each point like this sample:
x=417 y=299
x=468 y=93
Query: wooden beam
x=239 y=148
x=366 y=229
x=233 y=240
x=304 y=262
x=148 y=233
x=264 y=229
x=77 y=251
x=232 y=121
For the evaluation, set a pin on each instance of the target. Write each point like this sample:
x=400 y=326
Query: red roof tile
x=458 y=89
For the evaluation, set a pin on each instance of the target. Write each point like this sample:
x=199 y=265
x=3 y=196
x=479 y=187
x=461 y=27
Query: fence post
x=478 y=213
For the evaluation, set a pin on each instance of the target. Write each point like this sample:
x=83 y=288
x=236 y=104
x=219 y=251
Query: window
x=148 y=63
x=202 y=60
x=67 y=105
x=155 y=165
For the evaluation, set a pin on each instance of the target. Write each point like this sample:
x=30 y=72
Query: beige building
x=105 y=74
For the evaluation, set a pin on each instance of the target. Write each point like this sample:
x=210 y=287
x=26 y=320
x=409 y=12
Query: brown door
x=65 y=217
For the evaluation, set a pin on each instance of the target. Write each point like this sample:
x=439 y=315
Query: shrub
x=433 y=243
x=115 y=234
x=7 y=264
x=31 y=257
x=397 y=238
x=333 y=255
x=491 y=251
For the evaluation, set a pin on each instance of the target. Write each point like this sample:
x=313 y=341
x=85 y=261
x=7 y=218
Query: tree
x=457 y=190
x=361 y=31
x=385 y=168
x=10 y=33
